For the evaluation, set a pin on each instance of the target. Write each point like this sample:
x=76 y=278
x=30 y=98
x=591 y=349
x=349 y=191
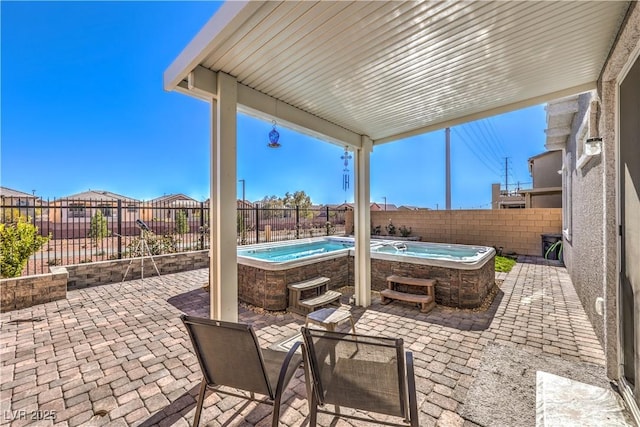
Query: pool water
x=431 y=251
x=292 y=252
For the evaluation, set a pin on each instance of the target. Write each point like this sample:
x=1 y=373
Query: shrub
x=98 y=228
x=391 y=229
x=18 y=241
x=404 y=231
x=182 y=225
x=329 y=227
x=158 y=245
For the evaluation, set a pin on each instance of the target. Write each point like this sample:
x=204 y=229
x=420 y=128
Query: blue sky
x=83 y=107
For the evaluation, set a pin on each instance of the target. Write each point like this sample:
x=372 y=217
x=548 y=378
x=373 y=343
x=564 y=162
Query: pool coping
x=282 y=265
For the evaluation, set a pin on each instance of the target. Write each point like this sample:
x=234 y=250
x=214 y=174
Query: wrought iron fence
x=259 y=225
x=83 y=231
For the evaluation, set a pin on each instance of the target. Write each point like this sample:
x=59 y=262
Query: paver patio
x=113 y=355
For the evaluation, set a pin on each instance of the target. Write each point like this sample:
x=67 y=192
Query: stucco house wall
x=584 y=232
x=591 y=242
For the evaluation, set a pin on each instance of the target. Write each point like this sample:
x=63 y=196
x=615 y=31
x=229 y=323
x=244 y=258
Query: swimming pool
x=293 y=251
x=464 y=274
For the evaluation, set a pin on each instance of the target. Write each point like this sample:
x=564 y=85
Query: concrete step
x=562 y=402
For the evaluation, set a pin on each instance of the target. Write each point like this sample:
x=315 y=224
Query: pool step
x=324 y=299
x=426 y=300
x=309 y=284
x=305 y=305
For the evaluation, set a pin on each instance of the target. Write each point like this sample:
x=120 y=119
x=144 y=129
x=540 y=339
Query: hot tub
x=465 y=274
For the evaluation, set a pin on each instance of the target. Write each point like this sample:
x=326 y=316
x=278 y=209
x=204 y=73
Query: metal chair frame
x=315 y=388
x=274 y=394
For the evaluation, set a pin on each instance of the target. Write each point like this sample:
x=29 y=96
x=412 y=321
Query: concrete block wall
x=515 y=230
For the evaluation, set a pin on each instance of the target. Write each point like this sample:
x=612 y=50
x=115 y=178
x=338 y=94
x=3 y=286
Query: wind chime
x=274 y=136
x=345 y=172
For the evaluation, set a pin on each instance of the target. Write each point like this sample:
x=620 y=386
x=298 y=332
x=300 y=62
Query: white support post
x=362 y=223
x=223 y=277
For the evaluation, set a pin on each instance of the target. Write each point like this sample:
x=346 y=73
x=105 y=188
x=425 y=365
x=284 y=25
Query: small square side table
x=329 y=318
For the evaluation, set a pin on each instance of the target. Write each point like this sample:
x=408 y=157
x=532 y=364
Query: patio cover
x=360 y=74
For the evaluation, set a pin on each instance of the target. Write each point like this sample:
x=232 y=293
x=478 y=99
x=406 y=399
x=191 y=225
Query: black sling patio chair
x=367 y=373
x=229 y=355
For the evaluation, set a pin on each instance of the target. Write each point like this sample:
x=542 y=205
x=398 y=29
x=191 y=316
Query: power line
x=482 y=159
x=500 y=141
x=487 y=150
x=490 y=140
x=496 y=137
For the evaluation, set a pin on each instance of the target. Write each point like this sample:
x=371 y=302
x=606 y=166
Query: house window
x=567 y=196
x=106 y=211
x=132 y=208
x=77 y=211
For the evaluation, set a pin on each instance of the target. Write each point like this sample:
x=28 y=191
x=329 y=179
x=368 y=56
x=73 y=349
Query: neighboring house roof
x=168 y=198
x=98 y=195
x=8 y=192
x=374 y=206
x=175 y=201
x=411 y=208
x=244 y=204
x=383 y=207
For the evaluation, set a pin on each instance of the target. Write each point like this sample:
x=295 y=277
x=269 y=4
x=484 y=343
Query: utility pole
x=242 y=181
x=448 y=168
x=243 y=233
x=506 y=174
x=385 y=202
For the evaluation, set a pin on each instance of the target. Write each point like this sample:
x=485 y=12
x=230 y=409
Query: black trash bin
x=548 y=240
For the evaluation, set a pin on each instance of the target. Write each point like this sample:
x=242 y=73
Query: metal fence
x=83 y=231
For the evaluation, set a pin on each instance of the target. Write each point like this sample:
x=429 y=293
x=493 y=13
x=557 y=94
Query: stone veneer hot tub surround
x=463 y=283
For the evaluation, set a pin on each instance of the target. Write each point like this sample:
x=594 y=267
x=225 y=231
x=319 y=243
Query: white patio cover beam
x=202 y=83
x=257 y=104
x=490 y=112
x=362 y=223
x=223 y=273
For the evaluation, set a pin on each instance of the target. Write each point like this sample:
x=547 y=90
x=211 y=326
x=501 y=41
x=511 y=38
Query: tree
x=299 y=198
x=18 y=241
x=98 y=228
x=182 y=225
x=272 y=207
